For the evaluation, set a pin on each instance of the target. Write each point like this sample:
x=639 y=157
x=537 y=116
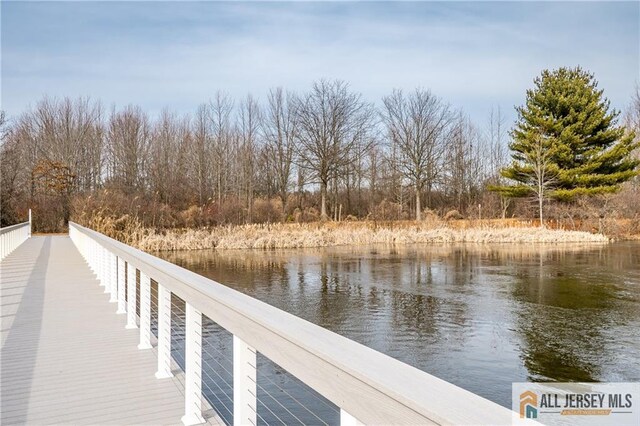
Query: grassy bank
x=277 y=236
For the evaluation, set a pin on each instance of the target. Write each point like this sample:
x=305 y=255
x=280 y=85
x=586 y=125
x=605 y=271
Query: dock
x=55 y=368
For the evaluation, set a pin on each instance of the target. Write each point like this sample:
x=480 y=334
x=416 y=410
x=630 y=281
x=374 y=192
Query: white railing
x=12 y=236
x=368 y=386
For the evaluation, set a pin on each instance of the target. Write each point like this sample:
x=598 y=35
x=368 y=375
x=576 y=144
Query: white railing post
x=96 y=259
x=103 y=269
x=107 y=270
x=244 y=383
x=145 y=311
x=30 y=230
x=193 y=367
x=121 y=287
x=99 y=264
x=164 y=333
x=347 y=419
x=92 y=256
x=113 y=278
x=131 y=296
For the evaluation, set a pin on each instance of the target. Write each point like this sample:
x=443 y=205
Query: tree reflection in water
x=480 y=316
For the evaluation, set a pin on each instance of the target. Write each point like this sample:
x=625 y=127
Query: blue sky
x=178 y=54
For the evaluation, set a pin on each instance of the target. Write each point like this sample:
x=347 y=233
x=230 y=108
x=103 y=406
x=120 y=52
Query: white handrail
x=368 y=386
x=12 y=236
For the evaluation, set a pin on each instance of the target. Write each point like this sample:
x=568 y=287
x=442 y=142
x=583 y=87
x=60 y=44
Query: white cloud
x=471 y=55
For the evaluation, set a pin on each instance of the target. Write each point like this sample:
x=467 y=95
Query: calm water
x=480 y=317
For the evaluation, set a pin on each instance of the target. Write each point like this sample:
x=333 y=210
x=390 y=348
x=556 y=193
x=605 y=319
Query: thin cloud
x=175 y=54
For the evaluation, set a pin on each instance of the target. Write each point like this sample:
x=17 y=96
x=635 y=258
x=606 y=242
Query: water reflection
x=574 y=312
x=479 y=316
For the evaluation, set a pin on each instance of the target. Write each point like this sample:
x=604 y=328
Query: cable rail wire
x=212 y=330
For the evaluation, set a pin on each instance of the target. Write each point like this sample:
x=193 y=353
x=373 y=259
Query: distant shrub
x=387 y=210
x=267 y=211
x=191 y=217
x=430 y=218
x=453 y=215
x=231 y=211
x=309 y=214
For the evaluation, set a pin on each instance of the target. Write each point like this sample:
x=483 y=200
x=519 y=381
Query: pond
x=478 y=316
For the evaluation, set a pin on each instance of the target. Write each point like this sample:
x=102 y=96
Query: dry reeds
x=280 y=236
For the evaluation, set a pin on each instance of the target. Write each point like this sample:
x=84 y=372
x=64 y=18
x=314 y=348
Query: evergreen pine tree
x=567 y=141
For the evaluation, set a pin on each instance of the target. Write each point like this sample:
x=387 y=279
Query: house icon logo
x=528 y=405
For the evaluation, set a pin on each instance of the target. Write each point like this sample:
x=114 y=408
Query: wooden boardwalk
x=66 y=357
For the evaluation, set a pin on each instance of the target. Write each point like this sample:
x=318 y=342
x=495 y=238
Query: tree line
x=323 y=154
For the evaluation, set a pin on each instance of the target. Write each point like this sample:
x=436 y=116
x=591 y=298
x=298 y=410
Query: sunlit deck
x=66 y=357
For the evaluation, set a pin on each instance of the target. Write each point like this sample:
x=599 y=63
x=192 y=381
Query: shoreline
x=295 y=236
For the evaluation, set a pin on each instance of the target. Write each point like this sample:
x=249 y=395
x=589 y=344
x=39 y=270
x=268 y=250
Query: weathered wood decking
x=65 y=355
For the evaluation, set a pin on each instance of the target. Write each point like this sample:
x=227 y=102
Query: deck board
x=66 y=357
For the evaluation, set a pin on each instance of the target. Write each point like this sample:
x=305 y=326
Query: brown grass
x=130 y=230
x=278 y=236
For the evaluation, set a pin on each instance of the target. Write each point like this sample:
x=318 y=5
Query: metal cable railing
x=255 y=364
x=217 y=377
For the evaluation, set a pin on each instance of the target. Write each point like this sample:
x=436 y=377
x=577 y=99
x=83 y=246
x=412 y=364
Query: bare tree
x=128 y=137
x=535 y=171
x=64 y=133
x=498 y=155
x=249 y=124
x=463 y=161
x=200 y=154
x=280 y=132
x=169 y=154
x=544 y=172
x=70 y=132
x=11 y=164
x=333 y=125
x=418 y=126
x=633 y=119
x=220 y=109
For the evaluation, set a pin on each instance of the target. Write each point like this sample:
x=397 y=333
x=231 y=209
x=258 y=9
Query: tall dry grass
x=279 y=236
x=130 y=230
